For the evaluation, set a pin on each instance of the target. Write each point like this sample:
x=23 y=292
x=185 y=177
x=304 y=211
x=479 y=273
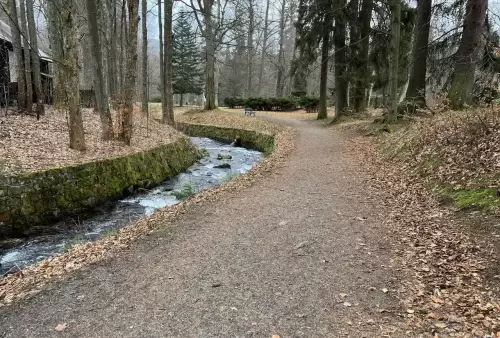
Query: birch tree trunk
x=144 y=57
x=169 y=50
x=128 y=96
x=100 y=92
x=27 y=58
x=18 y=52
x=264 y=47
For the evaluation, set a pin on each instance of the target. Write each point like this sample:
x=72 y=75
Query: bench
x=249 y=112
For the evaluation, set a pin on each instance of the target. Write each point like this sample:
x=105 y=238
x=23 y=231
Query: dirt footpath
x=301 y=253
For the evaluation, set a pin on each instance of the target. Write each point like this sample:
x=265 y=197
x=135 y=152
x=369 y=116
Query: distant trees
x=186 y=60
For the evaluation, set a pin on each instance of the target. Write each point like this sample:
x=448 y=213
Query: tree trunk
x=468 y=54
x=264 y=47
x=182 y=100
x=18 y=52
x=40 y=110
x=99 y=88
x=250 y=48
x=144 y=57
x=112 y=50
x=341 y=83
x=27 y=58
x=69 y=81
x=164 y=112
x=394 y=70
x=210 y=89
x=354 y=37
x=363 y=76
x=416 y=85
x=128 y=96
x=169 y=51
x=281 y=53
x=325 y=48
x=123 y=44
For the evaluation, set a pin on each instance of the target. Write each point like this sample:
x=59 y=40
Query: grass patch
x=478 y=199
x=186 y=191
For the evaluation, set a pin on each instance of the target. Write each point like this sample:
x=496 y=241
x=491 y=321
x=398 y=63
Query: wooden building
x=8 y=74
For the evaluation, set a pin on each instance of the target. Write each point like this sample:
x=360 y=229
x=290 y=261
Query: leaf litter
x=444 y=265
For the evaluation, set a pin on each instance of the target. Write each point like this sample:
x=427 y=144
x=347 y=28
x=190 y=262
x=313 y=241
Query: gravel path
x=301 y=253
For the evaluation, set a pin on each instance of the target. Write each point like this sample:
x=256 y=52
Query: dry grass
x=28 y=145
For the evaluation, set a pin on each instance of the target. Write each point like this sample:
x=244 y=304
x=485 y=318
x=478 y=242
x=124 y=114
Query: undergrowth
x=456 y=152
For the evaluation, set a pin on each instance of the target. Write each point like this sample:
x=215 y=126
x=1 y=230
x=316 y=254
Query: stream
x=222 y=163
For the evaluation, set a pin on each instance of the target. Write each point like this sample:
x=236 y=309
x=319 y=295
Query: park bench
x=249 y=112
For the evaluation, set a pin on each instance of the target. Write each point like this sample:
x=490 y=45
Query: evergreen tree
x=187 y=76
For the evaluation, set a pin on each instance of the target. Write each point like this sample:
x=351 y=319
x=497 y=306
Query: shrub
x=310 y=104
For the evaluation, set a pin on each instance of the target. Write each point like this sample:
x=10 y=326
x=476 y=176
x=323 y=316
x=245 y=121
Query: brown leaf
x=437 y=300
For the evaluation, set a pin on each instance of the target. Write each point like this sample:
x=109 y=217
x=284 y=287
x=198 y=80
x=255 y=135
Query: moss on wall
x=32 y=199
x=248 y=138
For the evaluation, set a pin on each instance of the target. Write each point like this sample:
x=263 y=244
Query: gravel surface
x=301 y=253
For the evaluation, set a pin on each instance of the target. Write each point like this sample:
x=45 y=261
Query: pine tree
x=187 y=76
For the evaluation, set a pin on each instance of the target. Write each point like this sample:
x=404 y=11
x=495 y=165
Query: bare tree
x=339 y=37
x=37 y=76
x=394 y=73
x=18 y=51
x=169 y=51
x=250 y=47
x=325 y=49
x=164 y=112
x=280 y=83
x=68 y=60
x=264 y=47
x=144 y=57
x=131 y=72
x=100 y=92
x=27 y=58
x=468 y=54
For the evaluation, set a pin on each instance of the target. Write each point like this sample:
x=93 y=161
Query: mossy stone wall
x=248 y=138
x=27 y=201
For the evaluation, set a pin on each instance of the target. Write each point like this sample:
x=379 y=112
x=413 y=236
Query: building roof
x=5 y=34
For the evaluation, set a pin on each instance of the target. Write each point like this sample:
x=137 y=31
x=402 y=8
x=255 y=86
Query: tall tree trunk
x=339 y=36
x=27 y=58
x=40 y=110
x=250 y=47
x=123 y=48
x=128 y=96
x=264 y=47
x=325 y=48
x=416 y=85
x=210 y=89
x=354 y=37
x=169 y=51
x=69 y=80
x=301 y=64
x=99 y=89
x=394 y=68
x=281 y=53
x=144 y=57
x=468 y=54
x=18 y=51
x=164 y=112
x=112 y=50
x=363 y=76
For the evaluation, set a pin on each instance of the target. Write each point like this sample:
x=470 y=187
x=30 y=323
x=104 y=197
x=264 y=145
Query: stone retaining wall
x=28 y=201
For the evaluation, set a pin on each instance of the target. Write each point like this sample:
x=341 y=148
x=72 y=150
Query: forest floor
x=325 y=241
x=28 y=144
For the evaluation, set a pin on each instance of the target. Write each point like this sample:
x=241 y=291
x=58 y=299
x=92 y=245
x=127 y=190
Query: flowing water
x=221 y=164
